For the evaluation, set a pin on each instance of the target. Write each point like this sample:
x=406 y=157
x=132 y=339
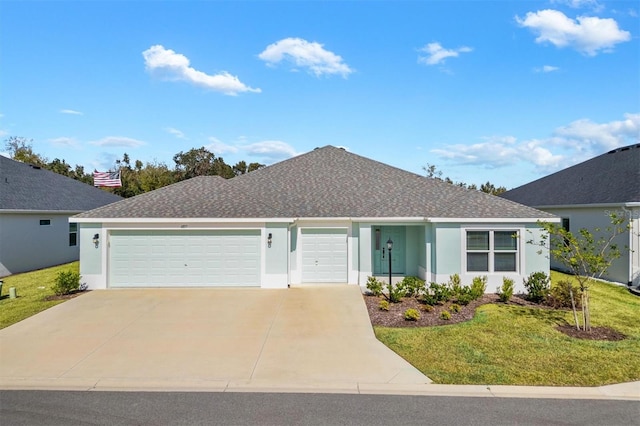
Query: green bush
x=465 y=298
x=538 y=286
x=560 y=296
x=374 y=286
x=455 y=308
x=440 y=292
x=396 y=292
x=66 y=283
x=411 y=314
x=445 y=315
x=506 y=291
x=478 y=287
x=383 y=305
x=455 y=285
x=413 y=286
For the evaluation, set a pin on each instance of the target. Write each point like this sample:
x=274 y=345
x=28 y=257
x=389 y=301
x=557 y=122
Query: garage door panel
x=324 y=255
x=184 y=258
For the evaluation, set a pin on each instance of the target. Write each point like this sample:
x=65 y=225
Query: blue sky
x=505 y=91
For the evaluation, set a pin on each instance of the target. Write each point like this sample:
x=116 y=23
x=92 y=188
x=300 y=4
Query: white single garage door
x=324 y=255
x=185 y=258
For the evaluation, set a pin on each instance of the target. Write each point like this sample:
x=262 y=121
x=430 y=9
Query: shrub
x=478 y=287
x=455 y=284
x=537 y=285
x=413 y=286
x=411 y=314
x=560 y=295
x=66 y=282
x=440 y=292
x=427 y=308
x=455 y=308
x=374 y=286
x=464 y=298
x=506 y=291
x=396 y=292
x=383 y=305
x=445 y=315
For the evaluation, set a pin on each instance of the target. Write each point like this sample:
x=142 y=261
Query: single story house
x=35 y=206
x=586 y=194
x=321 y=217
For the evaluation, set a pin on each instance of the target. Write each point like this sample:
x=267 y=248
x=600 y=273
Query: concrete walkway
x=307 y=339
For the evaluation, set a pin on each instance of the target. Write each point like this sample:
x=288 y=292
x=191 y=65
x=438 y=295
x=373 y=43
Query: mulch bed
x=394 y=317
x=596 y=333
x=65 y=296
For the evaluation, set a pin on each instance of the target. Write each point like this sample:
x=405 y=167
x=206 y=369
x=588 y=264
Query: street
x=194 y=408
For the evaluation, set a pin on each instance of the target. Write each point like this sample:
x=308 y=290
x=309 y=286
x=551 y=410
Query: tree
x=241 y=167
x=488 y=188
x=21 y=149
x=587 y=255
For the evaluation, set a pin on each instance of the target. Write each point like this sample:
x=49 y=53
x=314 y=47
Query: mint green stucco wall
x=422 y=246
x=355 y=241
x=534 y=262
x=364 y=253
x=412 y=252
x=293 y=247
x=90 y=256
x=276 y=256
x=446 y=252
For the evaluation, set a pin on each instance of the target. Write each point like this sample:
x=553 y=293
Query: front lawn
x=32 y=288
x=516 y=345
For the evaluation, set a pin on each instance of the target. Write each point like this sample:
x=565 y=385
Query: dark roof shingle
x=326 y=182
x=609 y=178
x=25 y=187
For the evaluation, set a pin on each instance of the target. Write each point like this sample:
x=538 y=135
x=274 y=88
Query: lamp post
x=389 y=248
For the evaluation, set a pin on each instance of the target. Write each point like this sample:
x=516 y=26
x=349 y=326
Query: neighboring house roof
x=327 y=182
x=27 y=187
x=611 y=178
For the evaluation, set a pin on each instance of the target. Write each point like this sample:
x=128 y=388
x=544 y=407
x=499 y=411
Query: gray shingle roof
x=326 y=182
x=25 y=187
x=613 y=177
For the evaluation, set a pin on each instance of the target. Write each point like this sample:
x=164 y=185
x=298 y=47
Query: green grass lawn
x=512 y=345
x=32 y=288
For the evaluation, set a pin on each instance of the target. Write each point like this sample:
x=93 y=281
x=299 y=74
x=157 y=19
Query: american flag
x=111 y=179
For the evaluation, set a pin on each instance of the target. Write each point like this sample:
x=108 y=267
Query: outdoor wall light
x=269 y=239
x=96 y=240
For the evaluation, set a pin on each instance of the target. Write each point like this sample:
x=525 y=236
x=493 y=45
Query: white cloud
x=118 y=141
x=587 y=34
x=174 y=66
x=218 y=147
x=586 y=136
x=3 y=133
x=64 y=142
x=568 y=145
x=546 y=69
x=436 y=54
x=175 y=132
x=304 y=54
x=70 y=111
x=580 y=4
x=271 y=150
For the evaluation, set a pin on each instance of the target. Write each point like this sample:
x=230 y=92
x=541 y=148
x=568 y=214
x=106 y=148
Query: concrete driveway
x=203 y=339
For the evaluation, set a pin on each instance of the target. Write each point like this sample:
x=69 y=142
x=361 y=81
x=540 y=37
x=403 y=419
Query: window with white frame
x=492 y=251
x=73 y=234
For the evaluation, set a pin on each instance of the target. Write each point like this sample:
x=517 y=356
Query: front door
x=381 y=234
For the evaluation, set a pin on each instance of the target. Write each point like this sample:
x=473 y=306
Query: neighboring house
x=586 y=194
x=35 y=206
x=321 y=217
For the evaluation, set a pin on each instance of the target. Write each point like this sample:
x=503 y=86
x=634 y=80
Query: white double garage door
x=215 y=258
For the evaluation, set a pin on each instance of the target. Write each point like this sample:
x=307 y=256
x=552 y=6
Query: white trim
x=134 y=220
x=585 y=206
x=18 y=211
x=464 y=220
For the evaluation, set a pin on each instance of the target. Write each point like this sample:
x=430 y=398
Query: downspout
x=629 y=213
